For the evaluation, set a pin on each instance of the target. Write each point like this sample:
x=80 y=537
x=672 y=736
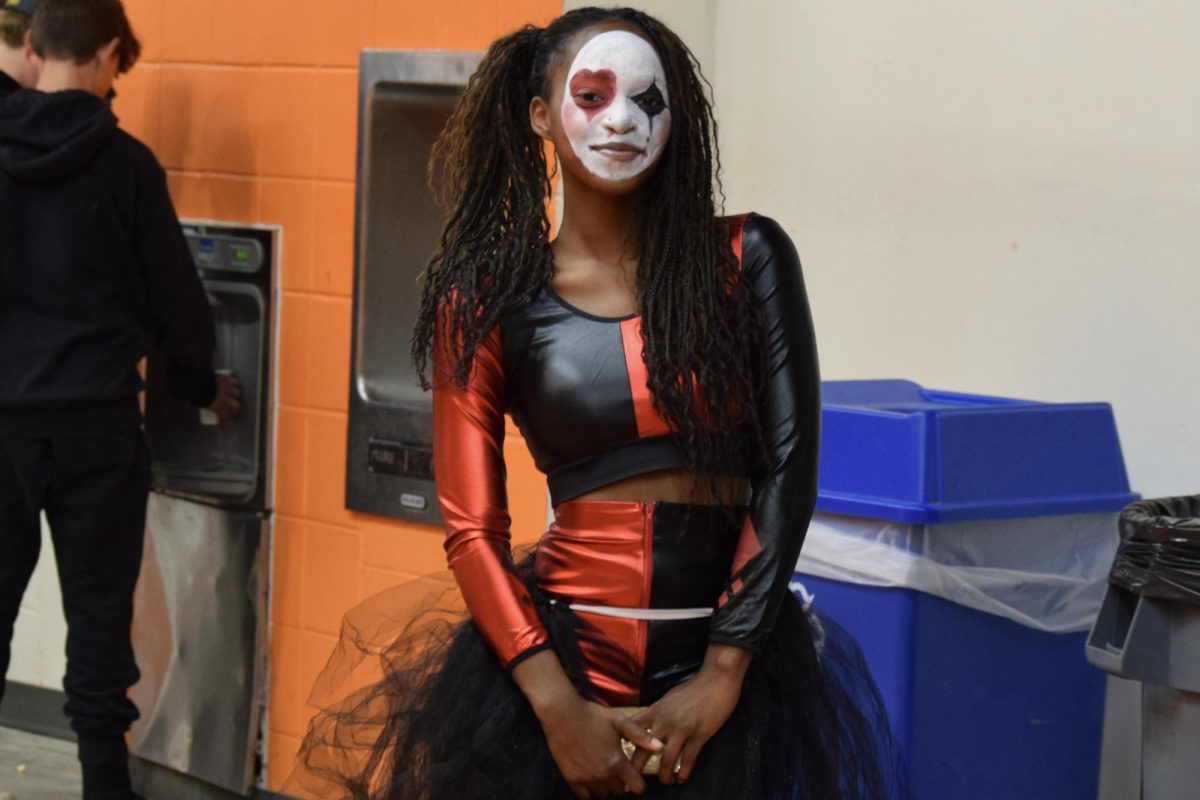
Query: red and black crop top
x=575 y=384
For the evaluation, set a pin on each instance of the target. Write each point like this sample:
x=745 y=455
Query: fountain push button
x=395 y=458
x=221 y=252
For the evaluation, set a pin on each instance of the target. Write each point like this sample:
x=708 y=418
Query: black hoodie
x=94 y=271
x=7 y=84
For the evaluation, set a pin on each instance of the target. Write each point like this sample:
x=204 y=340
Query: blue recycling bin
x=987 y=706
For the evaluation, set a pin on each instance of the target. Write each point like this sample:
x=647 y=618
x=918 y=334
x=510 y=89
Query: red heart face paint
x=593 y=91
x=615 y=111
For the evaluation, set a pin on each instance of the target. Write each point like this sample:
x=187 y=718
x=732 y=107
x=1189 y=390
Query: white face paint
x=614 y=109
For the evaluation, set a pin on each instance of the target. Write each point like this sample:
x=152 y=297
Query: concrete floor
x=37 y=768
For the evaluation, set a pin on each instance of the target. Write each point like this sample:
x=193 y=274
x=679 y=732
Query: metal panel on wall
x=405 y=99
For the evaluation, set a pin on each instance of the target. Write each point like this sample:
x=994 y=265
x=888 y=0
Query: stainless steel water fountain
x=200 y=607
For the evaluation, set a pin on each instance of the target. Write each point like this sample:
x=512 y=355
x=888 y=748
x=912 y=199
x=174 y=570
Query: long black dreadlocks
x=702 y=330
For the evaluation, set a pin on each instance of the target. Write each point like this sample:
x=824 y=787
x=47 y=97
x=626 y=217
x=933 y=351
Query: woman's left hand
x=688 y=715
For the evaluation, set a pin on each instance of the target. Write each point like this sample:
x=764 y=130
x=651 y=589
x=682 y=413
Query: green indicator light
x=241 y=255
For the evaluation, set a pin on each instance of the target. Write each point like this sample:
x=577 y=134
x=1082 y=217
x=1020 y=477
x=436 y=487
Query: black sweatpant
x=93 y=490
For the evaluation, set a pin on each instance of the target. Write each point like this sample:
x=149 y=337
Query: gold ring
x=653 y=762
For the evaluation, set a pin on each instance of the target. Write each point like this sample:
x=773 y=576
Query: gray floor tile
x=37 y=768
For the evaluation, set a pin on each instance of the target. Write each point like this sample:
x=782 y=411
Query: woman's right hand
x=585 y=740
x=584 y=737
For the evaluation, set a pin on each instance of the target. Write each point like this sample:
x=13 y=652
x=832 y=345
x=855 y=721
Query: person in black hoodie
x=94 y=272
x=17 y=67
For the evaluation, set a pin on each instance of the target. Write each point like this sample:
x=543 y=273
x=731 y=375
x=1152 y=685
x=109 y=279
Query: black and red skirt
x=414 y=705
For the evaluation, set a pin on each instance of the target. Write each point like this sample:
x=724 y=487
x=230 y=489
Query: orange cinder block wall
x=251 y=107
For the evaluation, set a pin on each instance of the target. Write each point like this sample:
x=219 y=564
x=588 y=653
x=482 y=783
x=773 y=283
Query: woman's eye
x=588 y=99
x=591 y=90
x=651 y=105
x=651 y=101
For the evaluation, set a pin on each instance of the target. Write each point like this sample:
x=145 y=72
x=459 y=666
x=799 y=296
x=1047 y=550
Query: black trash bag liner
x=1159 y=554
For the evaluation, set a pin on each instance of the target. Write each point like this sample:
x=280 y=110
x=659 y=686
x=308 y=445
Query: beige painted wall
x=39 y=639
x=990 y=197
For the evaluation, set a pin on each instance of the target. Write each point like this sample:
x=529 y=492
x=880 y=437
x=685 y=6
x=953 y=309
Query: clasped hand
x=685 y=719
x=585 y=740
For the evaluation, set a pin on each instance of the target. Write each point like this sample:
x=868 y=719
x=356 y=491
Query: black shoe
x=107 y=781
x=114 y=794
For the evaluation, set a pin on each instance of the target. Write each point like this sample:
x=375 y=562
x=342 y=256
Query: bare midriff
x=674 y=486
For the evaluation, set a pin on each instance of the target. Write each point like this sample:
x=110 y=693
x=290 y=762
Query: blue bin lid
x=893 y=450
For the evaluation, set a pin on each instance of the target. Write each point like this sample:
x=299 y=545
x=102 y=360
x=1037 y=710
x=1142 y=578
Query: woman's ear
x=539 y=117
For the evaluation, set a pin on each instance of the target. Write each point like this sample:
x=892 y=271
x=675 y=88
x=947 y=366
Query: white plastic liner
x=1047 y=573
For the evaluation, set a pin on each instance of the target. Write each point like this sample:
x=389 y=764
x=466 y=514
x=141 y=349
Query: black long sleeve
x=178 y=305
x=785 y=482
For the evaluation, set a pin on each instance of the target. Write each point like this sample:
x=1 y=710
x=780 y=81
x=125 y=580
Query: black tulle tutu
x=436 y=717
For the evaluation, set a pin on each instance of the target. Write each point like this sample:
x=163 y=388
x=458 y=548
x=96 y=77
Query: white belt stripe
x=639 y=613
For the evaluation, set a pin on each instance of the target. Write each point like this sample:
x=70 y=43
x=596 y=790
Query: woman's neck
x=598 y=228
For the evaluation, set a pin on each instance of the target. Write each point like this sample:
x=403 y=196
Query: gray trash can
x=1147 y=634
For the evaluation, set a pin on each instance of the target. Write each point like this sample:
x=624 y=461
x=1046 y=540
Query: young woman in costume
x=660 y=362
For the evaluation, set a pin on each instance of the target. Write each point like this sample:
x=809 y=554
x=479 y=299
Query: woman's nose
x=619 y=119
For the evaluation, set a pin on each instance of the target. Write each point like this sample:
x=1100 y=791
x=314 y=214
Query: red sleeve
x=468 y=456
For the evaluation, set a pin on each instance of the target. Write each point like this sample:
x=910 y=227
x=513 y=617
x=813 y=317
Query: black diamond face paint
x=651 y=101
